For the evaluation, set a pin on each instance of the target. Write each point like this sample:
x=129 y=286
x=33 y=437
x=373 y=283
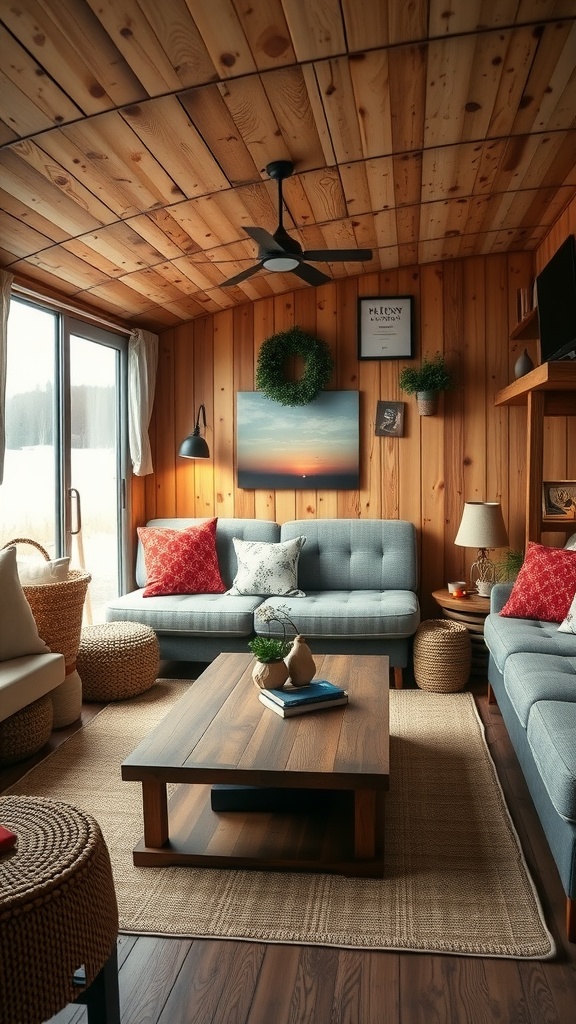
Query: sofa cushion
x=512 y=636
x=355 y=554
x=356 y=613
x=545 y=584
x=226 y=529
x=190 y=614
x=18 y=629
x=552 y=740
x=529 y=678
x=267 y=568
x=181 y=561
x=24 y=680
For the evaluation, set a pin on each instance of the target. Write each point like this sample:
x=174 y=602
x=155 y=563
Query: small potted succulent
x=426 y=382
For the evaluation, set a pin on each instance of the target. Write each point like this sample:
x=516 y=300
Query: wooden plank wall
x=469 y=451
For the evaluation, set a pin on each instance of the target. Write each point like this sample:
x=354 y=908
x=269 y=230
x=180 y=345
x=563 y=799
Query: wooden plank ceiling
x=134 y=136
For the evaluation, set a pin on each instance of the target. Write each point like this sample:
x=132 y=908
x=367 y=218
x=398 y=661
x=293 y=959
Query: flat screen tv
x=556 y=296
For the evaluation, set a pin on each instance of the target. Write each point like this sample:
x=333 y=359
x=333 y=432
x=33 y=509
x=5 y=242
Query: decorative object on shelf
x=482 y=527
x=389 y=419
x=559 y=499
x=523 y=365
x=194 y=446
x=385 y=327
x=270 y=368
x=300 y=666
x=524 y=303
x=426 y=382
x=311 y=448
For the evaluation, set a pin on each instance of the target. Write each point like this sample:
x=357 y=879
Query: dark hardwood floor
x=200 y=981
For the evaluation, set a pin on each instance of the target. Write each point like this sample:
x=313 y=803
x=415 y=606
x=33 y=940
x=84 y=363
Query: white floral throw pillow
x=569 y=624
x=267 y=569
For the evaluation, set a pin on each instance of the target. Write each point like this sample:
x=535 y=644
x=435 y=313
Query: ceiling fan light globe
x=280 y=264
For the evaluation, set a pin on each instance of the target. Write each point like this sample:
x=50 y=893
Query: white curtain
x=5 y=286
x=142 y=366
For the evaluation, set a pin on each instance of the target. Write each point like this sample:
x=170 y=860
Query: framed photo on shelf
x=389 y=419
x=559 y=499
x=385 y=327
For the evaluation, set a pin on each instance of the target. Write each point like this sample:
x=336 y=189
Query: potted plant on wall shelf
x=426 y=382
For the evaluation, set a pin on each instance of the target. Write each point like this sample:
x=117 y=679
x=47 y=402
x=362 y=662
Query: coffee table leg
x=364 y=824
x=155 y=812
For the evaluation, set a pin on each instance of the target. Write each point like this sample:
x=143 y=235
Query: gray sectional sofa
x=359 y=578
x=532 y=674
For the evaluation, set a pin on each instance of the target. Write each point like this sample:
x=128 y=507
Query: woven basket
x=57 y=608
x=442 y=656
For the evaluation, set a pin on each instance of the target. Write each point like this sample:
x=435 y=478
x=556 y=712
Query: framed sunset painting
x=314 y=446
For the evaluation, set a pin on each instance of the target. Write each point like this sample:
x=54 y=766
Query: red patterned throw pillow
x=181 y=561
x=545 y=585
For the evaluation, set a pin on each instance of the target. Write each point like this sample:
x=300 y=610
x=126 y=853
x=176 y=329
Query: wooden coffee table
x=219 y=732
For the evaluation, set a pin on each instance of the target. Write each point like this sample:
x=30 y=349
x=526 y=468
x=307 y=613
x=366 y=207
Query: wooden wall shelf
x=528 y=329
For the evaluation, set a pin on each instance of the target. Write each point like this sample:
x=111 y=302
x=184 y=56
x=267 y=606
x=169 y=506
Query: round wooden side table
x=472 y=611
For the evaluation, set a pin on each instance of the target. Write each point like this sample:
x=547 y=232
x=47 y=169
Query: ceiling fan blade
x=266 y=242
x=242 y=276
x=338 y=255
x=310 y=274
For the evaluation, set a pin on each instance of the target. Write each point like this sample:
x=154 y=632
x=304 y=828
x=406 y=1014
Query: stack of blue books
x=317 y=696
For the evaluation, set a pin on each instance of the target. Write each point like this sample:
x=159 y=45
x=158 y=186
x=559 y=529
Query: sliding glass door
x=65 y=471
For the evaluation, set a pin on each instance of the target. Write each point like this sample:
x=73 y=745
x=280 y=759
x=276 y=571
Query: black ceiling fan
x=280 y=253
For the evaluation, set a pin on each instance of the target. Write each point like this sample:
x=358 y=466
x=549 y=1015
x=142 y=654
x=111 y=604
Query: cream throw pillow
x=18 y=629
x=33 y=573
x=266 y=569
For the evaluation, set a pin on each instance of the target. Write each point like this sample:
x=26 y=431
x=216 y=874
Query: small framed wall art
x=389 y=419
x=385 y=327
x=559 y=499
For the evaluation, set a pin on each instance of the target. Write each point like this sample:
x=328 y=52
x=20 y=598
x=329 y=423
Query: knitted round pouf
x=442 y=656
x=26 y=731
x=117 y=660
x=58 y=908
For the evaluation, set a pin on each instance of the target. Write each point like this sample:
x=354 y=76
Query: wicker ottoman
x=442 y=656
x=117 y=660
x=26 y=731
x=58 y=912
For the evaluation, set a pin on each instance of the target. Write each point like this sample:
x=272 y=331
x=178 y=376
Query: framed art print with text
x=385 y=327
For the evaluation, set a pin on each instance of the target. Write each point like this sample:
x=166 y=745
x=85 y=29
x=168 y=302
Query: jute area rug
x=455 y=880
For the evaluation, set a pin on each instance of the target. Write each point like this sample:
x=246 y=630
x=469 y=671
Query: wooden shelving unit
x=548 y=390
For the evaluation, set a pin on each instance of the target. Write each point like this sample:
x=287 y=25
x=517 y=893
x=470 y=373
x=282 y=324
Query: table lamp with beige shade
x=482 y=527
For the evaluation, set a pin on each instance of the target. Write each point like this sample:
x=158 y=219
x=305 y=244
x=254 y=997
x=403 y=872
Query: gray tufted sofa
x=359 y=577
x=532 y=673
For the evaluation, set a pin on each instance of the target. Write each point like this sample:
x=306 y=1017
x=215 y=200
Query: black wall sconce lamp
x=194 y=446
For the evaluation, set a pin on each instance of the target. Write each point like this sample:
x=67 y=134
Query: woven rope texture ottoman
x=26 y=731
x=442 y=656
x=117 y=660
x=58 y=911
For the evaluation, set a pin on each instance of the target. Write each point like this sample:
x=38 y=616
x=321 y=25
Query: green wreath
x=270 y=377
